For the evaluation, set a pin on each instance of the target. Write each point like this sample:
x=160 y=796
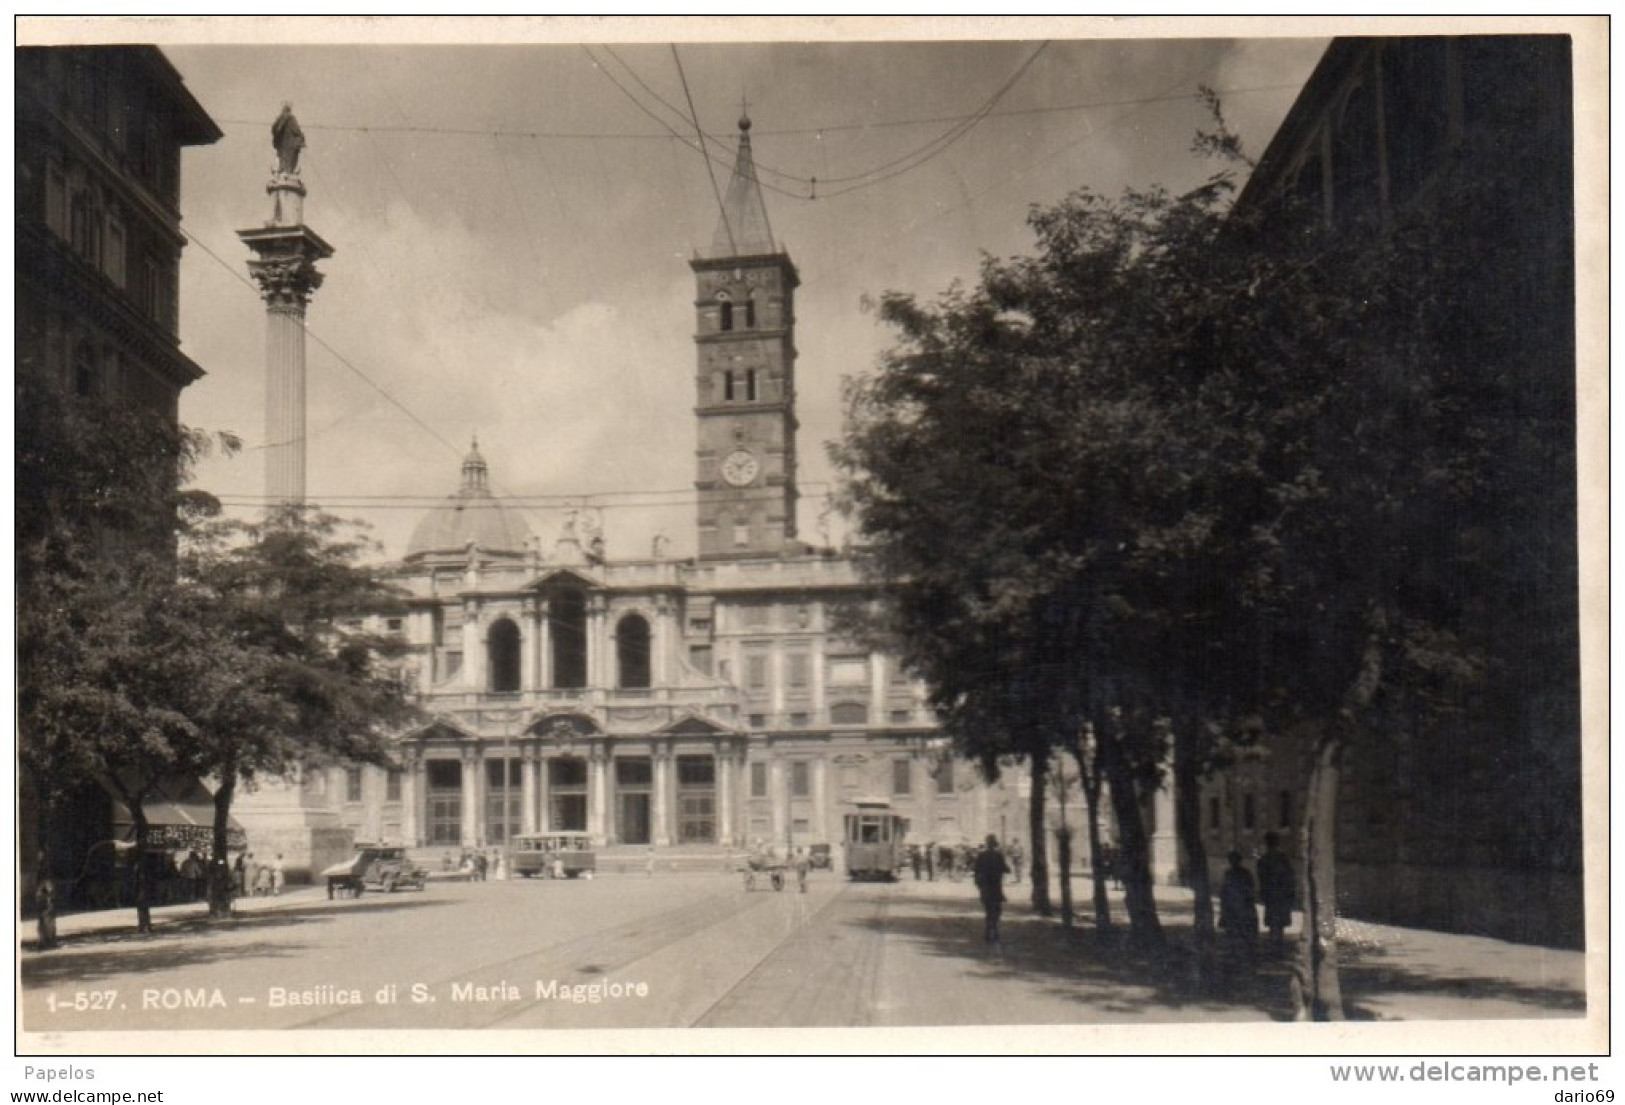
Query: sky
x=512 y=232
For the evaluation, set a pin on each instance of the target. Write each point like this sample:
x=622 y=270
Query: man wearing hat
x=989 y=872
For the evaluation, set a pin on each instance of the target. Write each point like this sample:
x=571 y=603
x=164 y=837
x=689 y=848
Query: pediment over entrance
x=555 y=577
x=694 y=726
x=566 y=726
x=439 y=729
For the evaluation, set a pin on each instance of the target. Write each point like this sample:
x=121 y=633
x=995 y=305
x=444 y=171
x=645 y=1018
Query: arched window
x=567 y=621
x=725 y=314
x=632 y=650
x=502 y=645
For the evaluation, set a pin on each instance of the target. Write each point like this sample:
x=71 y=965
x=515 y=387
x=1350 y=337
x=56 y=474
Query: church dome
x=470 y=515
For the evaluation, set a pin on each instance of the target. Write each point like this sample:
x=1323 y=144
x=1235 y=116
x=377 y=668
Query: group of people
x=1240 y=895
x=476 y=866
x=763 y=856
x=250 y=876
x=955 y=861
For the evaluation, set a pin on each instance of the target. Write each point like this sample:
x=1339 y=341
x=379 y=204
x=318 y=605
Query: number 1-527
x=82 y=1001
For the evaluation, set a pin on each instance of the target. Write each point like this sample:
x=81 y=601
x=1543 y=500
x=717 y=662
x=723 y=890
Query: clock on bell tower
x=745 y=380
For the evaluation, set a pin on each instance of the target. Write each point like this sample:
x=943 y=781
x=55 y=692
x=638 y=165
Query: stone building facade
x=648 y=701
x=100 y=130
x=1472 y=823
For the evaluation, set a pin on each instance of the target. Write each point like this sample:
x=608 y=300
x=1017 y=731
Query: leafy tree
x=156 y=641
x=1183 y=479
x=310 y=689
x=97 y=510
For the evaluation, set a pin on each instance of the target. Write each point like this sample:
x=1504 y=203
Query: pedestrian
x=262 y=880
x=649 y=863
x=1016 y=856
x=279 y=875
x=931 y=861
x=479 y=866
x=1276 y=889
x=239 y=874
x=914 y=860
x=1238 y=912
x=802 y=866
x=989 y=874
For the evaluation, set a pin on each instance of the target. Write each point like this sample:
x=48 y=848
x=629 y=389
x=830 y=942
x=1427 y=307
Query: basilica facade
x=653 y=701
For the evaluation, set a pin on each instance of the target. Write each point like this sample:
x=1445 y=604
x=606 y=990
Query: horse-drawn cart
x=764 y=866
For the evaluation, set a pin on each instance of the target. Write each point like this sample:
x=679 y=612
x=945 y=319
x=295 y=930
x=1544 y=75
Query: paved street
x=697 y=949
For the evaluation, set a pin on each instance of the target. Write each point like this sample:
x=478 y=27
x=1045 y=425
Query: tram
x=874 y=841
x=553 y=856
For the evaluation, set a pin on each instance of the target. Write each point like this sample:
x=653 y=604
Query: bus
x=874 y=840
x=553 y=855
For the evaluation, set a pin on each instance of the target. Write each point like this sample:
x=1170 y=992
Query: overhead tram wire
x=911 y=160
x=770 y=132
x=598 y=500
x=948 y=138
x=829 y=128
x=733 y=246
x=336 y=355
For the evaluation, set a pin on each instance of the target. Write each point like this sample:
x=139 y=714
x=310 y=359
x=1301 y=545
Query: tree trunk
x=1063 y=850
x=1134 y=850
x=1039 y=765
x=1097 y=862
x=220 y=883
x=1063 y=856
x=1188 y=824
x=143 y=891
x=1316 y=981
x=45 y=884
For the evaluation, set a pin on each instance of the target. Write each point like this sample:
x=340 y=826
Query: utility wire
x=772 y=132
x=949 y=137
x=733 y=246
x=319 y=340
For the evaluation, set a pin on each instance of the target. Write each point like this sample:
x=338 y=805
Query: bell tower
x=744 y=337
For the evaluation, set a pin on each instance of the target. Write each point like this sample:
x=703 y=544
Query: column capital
x=285 y=263
x=286 y=282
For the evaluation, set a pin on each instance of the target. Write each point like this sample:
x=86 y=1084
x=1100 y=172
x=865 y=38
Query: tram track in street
x=837 y=986
x=582 y=959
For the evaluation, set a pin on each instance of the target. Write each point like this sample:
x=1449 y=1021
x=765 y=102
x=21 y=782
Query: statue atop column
x=288 y=139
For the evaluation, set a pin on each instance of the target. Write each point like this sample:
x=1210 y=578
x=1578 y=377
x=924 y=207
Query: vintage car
x=820 y=857
x=383 y=867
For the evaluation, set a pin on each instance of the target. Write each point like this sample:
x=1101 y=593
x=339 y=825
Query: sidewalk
x=1388 y=973
x=119 y=922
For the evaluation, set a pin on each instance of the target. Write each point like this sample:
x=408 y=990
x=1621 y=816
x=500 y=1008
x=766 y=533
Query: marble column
x=529 y=632
x=820 y=826
x=661 y=763
x=779 y=794
x=410 y=821
x=471 y=799
x=527 y=791
x=597 y=674
x=597 y=796
x=284 y=267
x=544 y=640
x=473 y=650
x=877 y=689
x=725 y=795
